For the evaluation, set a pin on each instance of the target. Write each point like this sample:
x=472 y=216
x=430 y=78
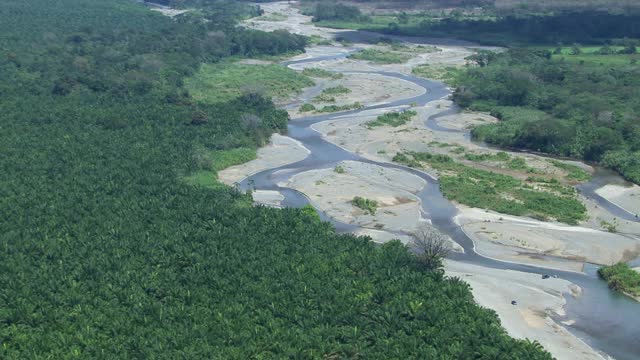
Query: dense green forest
x=108 y=253
x=585 y=108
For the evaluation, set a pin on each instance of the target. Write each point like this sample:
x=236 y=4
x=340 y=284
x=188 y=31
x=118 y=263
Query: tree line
x=567 y=108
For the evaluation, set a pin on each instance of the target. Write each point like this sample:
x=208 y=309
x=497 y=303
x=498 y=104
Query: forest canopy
x=108 y=253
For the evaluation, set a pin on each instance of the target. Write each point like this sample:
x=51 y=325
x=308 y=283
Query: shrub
x=369 y=206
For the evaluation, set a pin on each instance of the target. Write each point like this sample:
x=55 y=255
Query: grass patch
x=217 y=83
x=336 y=90
x=328 y=94
x=513 y=163
x=420 y=49
x=593 y=55
x=307 y=108
x=381 y=56
x=204 y=178
x=498 y=192
x=210 y=162
x=369 y=206
x=394 y=119
x=319 y=40
x=573 y=172
x=336 y=108
x=621 y=277
x=339 y=169
x=321 y=73
x=500 y=156
x=446 y=74
x=223 y=159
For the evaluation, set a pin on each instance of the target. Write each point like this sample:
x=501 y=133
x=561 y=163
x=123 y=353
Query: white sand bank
x=281 y=150
x=366 y=89
x=627 y=198
x=537 y=301
x=529 y=241
x=394 y=190
x=268 y=198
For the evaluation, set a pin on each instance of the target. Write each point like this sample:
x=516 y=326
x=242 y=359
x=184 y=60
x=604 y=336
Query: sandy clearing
x=169 y=11
x=381 y=237
x=282 y=150
x=627 y=198
x=296 y=22
x=465 y=120
x=599 y=218
x=394 y=190
x=538 y=300
x=532 y=242
x=380 y=143
x=367 y=89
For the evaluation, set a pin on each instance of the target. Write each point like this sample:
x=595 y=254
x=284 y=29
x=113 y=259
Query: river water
x=606 y=320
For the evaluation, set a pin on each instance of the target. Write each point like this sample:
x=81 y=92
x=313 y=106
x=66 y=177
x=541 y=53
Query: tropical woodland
x=108 y=250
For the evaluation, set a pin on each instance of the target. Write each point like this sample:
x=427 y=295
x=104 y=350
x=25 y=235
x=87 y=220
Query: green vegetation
x=307 y=107
x=612 y=228
x=394 y=119
x=369 y=206
x=488 y=190
x=585 y=111
x=336 y=108
x=381 y=56
x=339 y=169
x=332 y=10
x=336 y=90
x=605 y=55
x=447 y=74
x=328 y=94
x=215 y=83
x=621 y=277
x=321 y=73
x=319 y=40
x=573 y=172
x=210 y=162
x=499 y=156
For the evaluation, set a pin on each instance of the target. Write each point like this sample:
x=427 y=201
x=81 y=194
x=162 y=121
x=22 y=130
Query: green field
x=210 y=162
x=215 y=83
x=447 y=74
x=589 y=55
x=381 y=56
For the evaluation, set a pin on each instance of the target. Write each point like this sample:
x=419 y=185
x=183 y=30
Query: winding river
x=606 y=320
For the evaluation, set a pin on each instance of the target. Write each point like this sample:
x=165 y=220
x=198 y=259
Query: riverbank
x=628 y=198
x=538 y=302
x=332 y=191
x=281 y=150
